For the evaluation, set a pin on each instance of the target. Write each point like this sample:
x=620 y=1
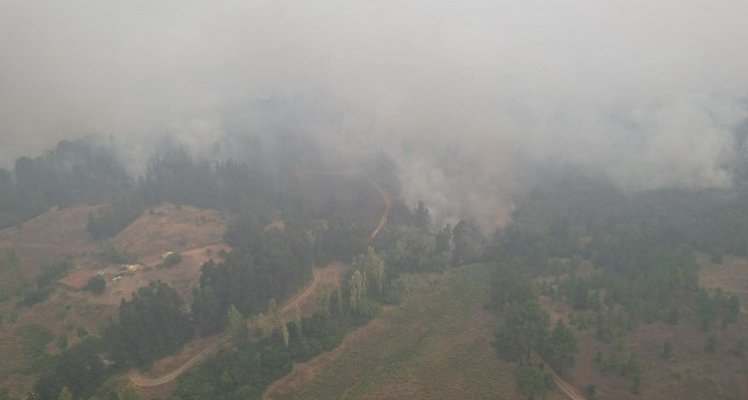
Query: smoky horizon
x=466 y=98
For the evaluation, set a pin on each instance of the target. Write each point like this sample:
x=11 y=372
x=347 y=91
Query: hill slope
x=434 y=345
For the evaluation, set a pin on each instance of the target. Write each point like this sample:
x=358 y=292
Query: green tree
x=414 y=250
x=533 y=382
x=284 y=332
x=339 y=299
x=322 y=297
x=62 y=341
x=276 y=313
x=357 y=289
x=127 y=393
x=590 y=392
x=372 y=265
x=208 y=313
x=172 y=259
x=237 y=326
x=422 y=216
x=468 y=242
x=509 y=285
x=65 y=394
x=562 y=348
x=297 y=324
x=153 y=322
x=97 y=285
x=525 y=329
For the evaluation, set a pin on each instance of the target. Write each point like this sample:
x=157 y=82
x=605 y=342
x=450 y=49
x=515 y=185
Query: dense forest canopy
x=81 y=171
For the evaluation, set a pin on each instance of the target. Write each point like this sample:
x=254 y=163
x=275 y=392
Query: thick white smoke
x=461 y=93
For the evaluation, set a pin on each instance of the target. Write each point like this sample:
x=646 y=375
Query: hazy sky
x=462 y=93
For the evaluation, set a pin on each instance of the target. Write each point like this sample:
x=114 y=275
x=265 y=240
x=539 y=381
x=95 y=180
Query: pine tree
x=357 y=286
x=297 y=323
x=562 y=347
x=237 y=326
x=339 y=299
x=277 y=315
x=323 y=300
x=284 y=331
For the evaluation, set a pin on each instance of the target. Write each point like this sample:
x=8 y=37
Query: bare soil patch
x=50 y=237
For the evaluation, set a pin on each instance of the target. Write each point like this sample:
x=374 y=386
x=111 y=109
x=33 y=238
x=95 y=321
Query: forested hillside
x=578 y=275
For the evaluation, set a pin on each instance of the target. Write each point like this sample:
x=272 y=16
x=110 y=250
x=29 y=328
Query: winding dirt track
x=565 y=387
x=387 y=206
x=144 y=382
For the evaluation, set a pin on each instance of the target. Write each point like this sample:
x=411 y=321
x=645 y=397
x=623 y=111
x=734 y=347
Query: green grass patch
x=435 y=344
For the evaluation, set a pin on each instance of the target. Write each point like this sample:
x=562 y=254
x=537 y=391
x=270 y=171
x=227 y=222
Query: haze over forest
x=348 y=199
x=469 y=99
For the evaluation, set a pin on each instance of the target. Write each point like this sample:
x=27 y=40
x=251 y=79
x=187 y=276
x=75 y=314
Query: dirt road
x=143 y=381
x=387 y=206
x=565 y=387
x=386 y=199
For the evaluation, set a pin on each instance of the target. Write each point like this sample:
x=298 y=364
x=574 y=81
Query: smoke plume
x=463 y=95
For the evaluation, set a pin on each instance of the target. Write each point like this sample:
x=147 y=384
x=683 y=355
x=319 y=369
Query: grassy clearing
x=435 y=345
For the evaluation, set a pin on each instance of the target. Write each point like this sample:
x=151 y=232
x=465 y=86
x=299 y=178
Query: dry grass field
x=167 y=227
x=50 y=237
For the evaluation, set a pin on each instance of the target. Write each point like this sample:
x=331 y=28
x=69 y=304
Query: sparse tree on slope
x=237 y=326
x=372 y=265
x=534 y=382
x=562 y=348
x=65 y=394
x=357 y=287
x=525 y=329
x=127 y=393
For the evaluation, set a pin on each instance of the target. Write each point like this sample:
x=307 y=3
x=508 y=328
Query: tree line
x=82 y=171
x=642 y=246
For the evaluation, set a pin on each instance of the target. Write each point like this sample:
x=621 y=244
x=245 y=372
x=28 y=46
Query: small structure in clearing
x=131 y=268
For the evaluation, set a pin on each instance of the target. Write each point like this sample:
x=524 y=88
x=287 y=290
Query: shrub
x=62 y=341
x=81 y=332
x=96 y=285
x=34 y=296
x=172 y=260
